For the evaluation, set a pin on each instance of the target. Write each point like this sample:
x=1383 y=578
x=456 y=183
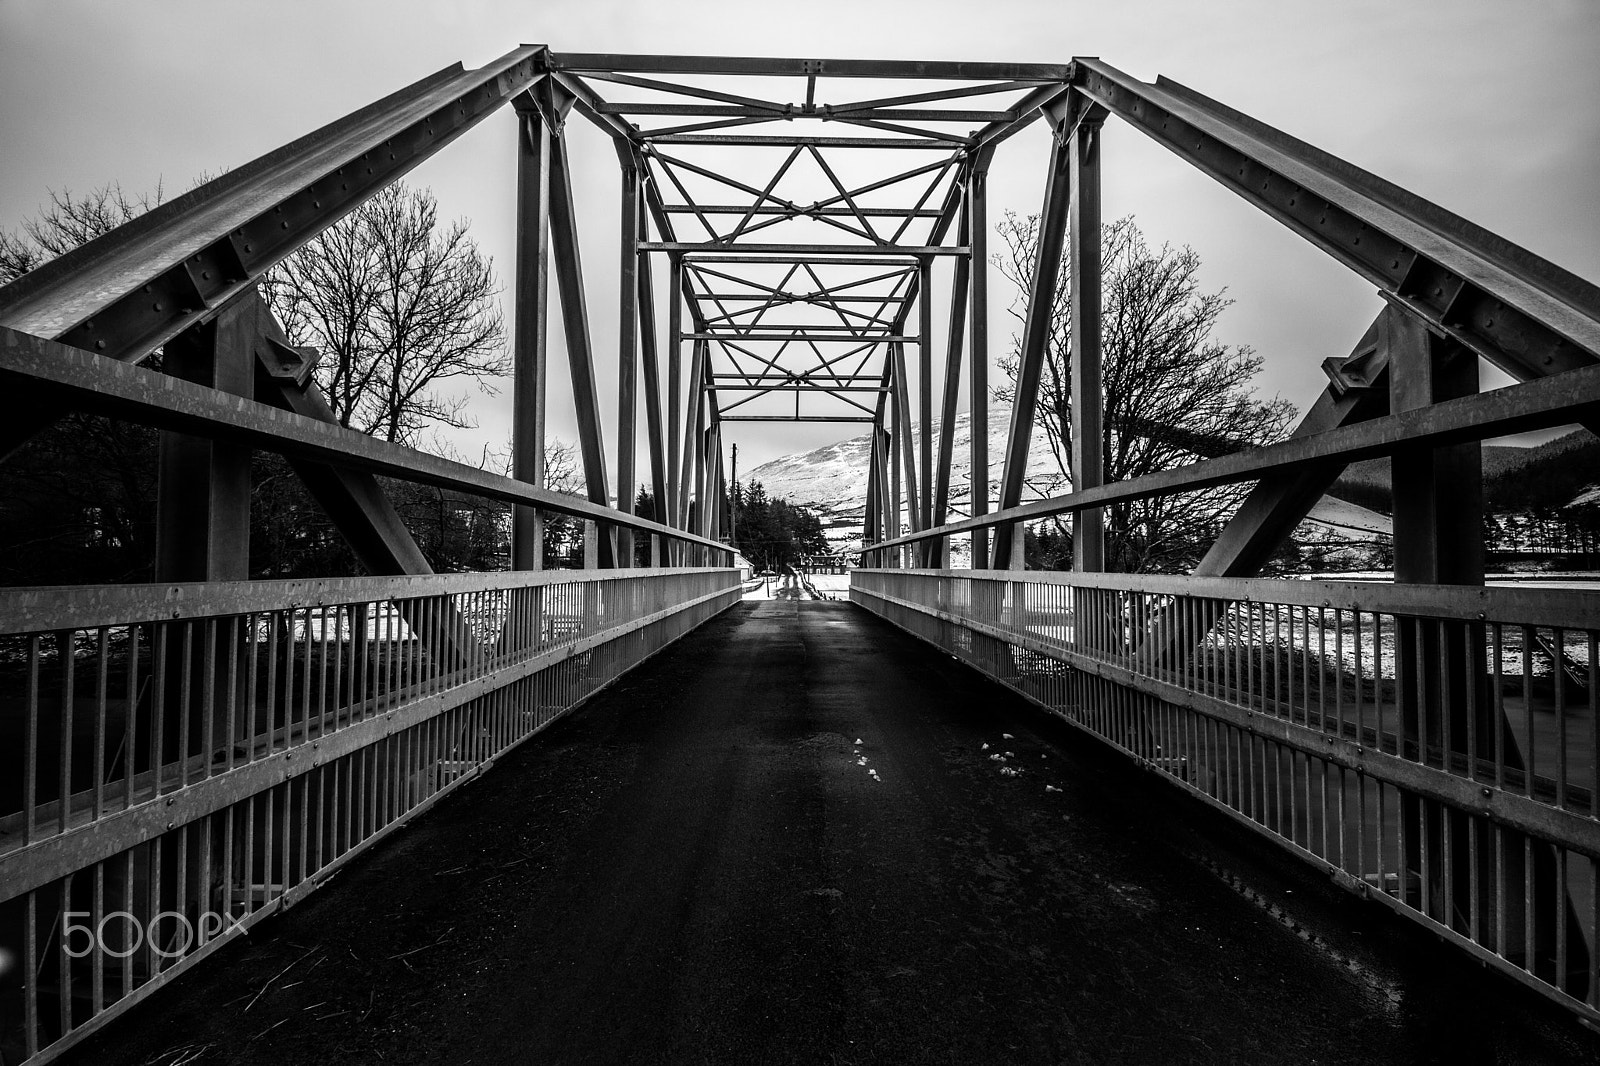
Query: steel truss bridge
x=207 y=743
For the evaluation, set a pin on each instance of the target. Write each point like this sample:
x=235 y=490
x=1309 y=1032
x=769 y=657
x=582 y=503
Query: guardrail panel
x=1442 y=761
x=181 y=762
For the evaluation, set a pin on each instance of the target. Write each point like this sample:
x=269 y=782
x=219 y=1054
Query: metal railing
x=182 y=761
x=1433 y=748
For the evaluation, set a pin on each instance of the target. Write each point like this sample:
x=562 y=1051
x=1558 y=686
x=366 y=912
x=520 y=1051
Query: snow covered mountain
x=833 y=480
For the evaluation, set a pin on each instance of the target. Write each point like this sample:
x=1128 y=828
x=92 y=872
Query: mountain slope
x=833 y=480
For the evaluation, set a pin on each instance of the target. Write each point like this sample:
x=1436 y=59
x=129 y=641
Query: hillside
x=833 y=479
x=1550 y=475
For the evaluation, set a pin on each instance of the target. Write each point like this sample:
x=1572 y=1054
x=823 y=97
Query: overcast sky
x=1488 y=108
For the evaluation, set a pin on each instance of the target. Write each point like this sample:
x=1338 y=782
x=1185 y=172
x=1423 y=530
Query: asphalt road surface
x=783 y=841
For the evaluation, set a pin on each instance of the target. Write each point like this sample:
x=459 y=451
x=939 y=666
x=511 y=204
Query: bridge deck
x=698 y=867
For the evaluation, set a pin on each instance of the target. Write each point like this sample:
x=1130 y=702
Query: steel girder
x=128 y=292
x=804 y=259
x=81 y=380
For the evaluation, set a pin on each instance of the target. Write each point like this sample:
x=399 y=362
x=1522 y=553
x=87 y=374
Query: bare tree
x=98 y=524
x=397 y=305
x=1172 y=394
x=66 y=222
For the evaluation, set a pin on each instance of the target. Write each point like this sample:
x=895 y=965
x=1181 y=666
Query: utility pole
x=733 y=504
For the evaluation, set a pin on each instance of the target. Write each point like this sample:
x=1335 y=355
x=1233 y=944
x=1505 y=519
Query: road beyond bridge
x=788 y=839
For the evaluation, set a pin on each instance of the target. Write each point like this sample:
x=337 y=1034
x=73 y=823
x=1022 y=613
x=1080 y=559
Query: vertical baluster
x=1529 y=757
x=101 y=693
x=1528 y=900
x=1498 y=695
x=1593 y=753
x=288 y=675
x=1558 y=676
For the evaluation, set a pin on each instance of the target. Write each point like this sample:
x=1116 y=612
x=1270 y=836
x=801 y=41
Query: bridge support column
x=203 y=509
x=1088 y=460
x=530 y=331
x=203 y=498
x=203 y=534
x=689 y=501
x=575 y=319
x=907 y=453
x=1084 y=303
x=1448 y=711
x=896 y=492
x=1036 y=332
x=1438 y=539
x=978 y=379
x=952 y=393
x=926 y=550
x=673 y=506
x=627 y=355
x=652 y=380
